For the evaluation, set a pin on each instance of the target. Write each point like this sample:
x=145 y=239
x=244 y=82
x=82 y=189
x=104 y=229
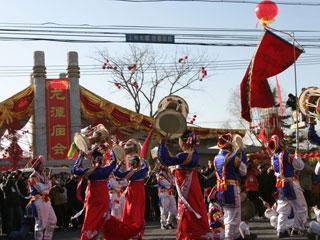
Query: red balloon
x=266 y=11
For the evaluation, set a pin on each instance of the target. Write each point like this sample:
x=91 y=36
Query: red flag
x=147 y=146
x=273 y=55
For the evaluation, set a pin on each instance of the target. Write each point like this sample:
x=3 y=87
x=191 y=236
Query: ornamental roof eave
x=95 y=109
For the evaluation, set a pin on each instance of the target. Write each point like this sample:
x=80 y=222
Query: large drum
x=100 y=133
x=171 y=117
x=237 y=142
x=309 y=102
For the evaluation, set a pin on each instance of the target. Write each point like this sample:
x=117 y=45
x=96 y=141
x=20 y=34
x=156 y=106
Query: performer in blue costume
x=97 y=193
x=229 y=169
x=131 y=225
x=289 y=189
x=192 y=214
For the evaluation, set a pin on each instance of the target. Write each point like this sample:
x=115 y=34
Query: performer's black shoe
x=283 y=234
x=170 y=226
x=252 y=236
x=164 y=227
x=295 y=232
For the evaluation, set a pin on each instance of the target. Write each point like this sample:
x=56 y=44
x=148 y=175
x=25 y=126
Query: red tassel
x=280 y=97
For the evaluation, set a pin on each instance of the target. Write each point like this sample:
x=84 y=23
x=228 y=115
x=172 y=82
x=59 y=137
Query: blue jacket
x=100 y=173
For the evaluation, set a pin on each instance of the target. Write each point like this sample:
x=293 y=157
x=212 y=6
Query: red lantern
x=266 y=11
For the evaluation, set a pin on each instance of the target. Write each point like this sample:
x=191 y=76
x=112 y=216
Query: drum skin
x=81 y=142
x=171 y=118
x=171 y=122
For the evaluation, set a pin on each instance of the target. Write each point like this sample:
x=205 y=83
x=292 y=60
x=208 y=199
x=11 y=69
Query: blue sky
x=210 y=104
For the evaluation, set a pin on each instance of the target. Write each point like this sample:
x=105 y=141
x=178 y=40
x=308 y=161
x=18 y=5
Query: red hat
x=273 y=143
x=224 y=140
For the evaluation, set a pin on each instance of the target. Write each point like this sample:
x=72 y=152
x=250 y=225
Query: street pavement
x=152 y=231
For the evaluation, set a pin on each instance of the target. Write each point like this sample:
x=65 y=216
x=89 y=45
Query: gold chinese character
x=59 y=149
x=57 y=112
x=58 y=130
x=56 y=93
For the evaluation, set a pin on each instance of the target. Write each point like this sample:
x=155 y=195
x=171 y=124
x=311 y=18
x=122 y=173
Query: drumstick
x=152 y=172
x=209 y=195
x=265 y=204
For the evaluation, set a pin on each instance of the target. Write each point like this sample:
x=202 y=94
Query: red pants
x=97 y=206
x=132 y=223
x=189 y=226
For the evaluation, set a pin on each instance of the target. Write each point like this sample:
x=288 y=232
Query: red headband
x=224 y=140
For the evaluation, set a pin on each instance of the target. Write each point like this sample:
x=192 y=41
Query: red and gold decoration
x=58 y=118
x=16 y=111
x=312 y=157
x=266 y=12
x=95 y=110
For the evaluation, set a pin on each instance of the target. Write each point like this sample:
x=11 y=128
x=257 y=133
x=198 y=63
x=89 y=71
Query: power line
x=223 y=1
x=314 y=57
x=178 y=31
x=53 y=25
x=217 y=44
x=96 y=70
x=116 y=34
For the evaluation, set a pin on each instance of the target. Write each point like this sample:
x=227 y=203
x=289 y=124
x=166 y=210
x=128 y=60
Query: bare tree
x=145 y=76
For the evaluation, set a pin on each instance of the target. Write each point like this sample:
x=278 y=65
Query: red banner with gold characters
x=58 y=118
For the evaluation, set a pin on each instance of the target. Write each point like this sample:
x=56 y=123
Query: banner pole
x=296 y=94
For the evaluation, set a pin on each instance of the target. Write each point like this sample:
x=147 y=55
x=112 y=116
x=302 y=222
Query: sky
x=210 y=104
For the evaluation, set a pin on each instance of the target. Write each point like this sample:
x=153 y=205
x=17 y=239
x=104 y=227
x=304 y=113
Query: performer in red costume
x=97 y=193
x=192 y=214
x=132 y=224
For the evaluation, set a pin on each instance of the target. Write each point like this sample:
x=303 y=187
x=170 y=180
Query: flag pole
x=296 y=93
x=295 y=79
